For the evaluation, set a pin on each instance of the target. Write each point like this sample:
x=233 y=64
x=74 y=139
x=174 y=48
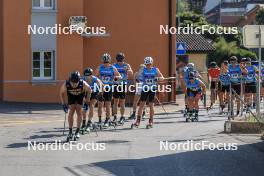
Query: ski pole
x=161 y=106
x=64 y=123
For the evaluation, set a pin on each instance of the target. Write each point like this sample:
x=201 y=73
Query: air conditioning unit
x=76 y=22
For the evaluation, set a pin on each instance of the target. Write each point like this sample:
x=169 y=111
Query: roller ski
x=99 y=125
x=150 y=124
x=83 y=130
x=196 y=117
x=136 y=124
x=133 y=116
x=114 y=122
x=69 y=138
x=121 y=121
x=89 y=127
x=185 y=111
x=76 y=136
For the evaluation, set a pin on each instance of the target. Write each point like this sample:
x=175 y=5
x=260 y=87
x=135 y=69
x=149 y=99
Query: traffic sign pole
x=259 y=71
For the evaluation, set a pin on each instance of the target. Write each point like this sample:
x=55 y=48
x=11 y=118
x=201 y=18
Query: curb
x=243 y=127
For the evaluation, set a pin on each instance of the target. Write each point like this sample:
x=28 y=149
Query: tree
x=260 y=17
x=182 y=6
x=225 y=50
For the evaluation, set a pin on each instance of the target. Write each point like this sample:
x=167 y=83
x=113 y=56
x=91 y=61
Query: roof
x=195 y=43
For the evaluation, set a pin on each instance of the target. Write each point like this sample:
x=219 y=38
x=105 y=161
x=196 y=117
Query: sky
x=210 y=4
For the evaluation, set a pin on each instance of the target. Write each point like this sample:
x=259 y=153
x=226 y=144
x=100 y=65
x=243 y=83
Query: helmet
x=248 y=59
x=233 y=58
x=213 y=64
x=120 y=57
x=244 y=59
x=148 y=60
x=75 y=77
x=190 y=65
x=88 y=72
x=225 y=62
x=106 y=58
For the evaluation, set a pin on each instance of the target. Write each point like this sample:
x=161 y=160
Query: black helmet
x=213 y=64
x=75 y=77
x=120 y=57
x=88 y=72
x=106 y=58
x=225 y=62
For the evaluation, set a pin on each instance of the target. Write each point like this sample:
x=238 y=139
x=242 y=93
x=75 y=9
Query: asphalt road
x=127 y=152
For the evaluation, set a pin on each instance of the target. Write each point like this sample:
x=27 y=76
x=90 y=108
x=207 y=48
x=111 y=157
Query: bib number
x=149 y=81
x=106 y=79
x=234 y=76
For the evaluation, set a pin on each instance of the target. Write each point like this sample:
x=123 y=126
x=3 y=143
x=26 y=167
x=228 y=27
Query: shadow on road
x=245 y=161
x=26 y=108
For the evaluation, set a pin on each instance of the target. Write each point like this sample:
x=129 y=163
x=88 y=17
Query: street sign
x=251 y=36
x=181 y=48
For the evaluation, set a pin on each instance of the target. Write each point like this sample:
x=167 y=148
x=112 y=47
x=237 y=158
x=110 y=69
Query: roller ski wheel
x=69 y=138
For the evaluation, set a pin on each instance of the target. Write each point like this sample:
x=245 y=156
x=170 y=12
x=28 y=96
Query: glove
x=65 y=108
x=85 y=107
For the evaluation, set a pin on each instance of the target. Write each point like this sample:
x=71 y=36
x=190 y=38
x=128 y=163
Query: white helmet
x=148 y=60
x=190 y=65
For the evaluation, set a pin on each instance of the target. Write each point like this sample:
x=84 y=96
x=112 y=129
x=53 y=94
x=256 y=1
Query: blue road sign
x=181 y=48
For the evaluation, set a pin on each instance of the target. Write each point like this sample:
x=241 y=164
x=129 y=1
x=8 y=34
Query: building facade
x=33 y=67
x=232 y=12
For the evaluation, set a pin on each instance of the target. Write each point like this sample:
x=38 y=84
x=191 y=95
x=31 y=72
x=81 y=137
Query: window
x=43 y=65
x=43 y=4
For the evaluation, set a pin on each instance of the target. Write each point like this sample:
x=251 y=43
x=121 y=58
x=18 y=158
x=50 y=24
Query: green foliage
x=182 y=6
x=226 y=45
x=260 y=17
x=225 y=50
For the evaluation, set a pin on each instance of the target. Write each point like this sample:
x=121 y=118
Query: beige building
x=197 y=48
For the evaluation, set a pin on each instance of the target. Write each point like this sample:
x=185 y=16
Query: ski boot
x=114 y=122
x=144 y=116
x=121 y=121
x=88 y=127
x=99 y=125
x=150 y=124
x=136 y=124
x=69 y=137
x=82 y=130
x=189 y=116
x=196 y=117
x=133 y=116
x=106 y=123
x=76 y=136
